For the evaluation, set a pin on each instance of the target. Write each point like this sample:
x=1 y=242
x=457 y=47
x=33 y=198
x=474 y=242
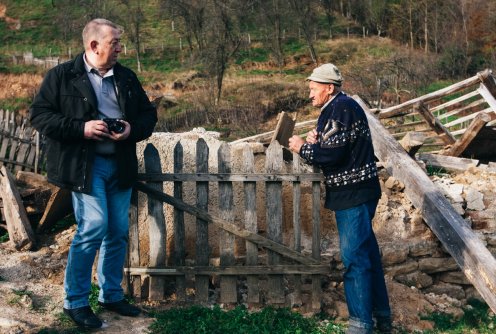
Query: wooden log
x=435 y=124
x=412 y=142
x=58 y=207
x=454 y=102
x=156 y=225
x=284 y=129
x=20 y=232
x=248 y=166
x=273 y=201
x=400 y=109
x=204 y=217
x=202 y=248
x=473 y=258
x=228 y=291
x=461 y=144
x=452 y=164
x=179 y=228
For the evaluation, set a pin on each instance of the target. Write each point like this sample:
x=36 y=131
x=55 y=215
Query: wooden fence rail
x=266 y=258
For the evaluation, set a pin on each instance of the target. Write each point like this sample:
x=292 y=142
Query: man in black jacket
x=341 y=146
x=93 y=111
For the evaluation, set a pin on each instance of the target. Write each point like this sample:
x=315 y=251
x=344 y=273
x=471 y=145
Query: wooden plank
x=14 y=147
x=232 y=270
x=297 y=301
x=179 y=228
x=156 y=225
x=273 y=201
x=228 y=291
x=473 y=258
x=467 y=83
x=202 y=248
x=454 y=101
x=20 y=232
x=435 y=124
x=248 y=166
x=133 y=258
x=59 y=206
x=205 y=217
x=284 y=129
x=448 y=163
x=32 y=155
x=487 y=94
x=267 y=136
x=461 y=144
x=466 y=118
x=235 y=177
x=316 y=236
x=461 y=110
x=23 y=148
x=8 y=132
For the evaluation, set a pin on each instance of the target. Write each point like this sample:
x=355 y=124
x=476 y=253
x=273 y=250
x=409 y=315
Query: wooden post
x=248 y=166
x=473 y=258
x=273 y=199
x=179 y=229
x=156 y=225
x=316 y=236
x=20 y=232
x=228 y=291
x=202 y=248
x=134 y=281
x=434 y=123
x=297 y=226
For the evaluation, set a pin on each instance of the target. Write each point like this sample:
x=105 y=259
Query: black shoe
x=84 y=317
x=384 y=325
x=122 y=307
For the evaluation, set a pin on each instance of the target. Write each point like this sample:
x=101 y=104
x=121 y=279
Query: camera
x=115 y=125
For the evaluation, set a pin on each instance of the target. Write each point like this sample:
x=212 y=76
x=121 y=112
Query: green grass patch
x=476 y=319
x=4 y=237
x=15 y=103
x=199 y=320
x=63 y=224
x=252 y=55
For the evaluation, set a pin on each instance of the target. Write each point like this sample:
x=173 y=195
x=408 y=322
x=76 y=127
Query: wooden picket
x=266 y=258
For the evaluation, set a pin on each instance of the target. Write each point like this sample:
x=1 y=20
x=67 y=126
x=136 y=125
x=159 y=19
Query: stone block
x=455 y=277
x=423 y=247
x=416 y=279
x=451 y=290
x=436 y=265
x=394 y=253
x=404 y=268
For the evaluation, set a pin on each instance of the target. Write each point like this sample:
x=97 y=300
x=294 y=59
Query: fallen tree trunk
x=473 y=258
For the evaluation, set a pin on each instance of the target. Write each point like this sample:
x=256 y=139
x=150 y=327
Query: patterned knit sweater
x=345 y=154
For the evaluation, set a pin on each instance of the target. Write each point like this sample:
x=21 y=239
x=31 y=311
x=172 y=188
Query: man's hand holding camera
x=99 y=130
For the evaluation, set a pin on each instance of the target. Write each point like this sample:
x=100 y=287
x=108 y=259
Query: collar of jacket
x=83 y=84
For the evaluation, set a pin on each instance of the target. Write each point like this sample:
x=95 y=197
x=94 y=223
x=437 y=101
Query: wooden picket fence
x=267 y=259
x=19 y=143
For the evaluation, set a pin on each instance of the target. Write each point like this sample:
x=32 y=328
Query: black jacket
x=66 y=101
x=345 y=154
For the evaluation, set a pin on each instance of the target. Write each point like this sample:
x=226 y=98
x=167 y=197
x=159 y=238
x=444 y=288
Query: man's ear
x=331 y=89
x=94 y=45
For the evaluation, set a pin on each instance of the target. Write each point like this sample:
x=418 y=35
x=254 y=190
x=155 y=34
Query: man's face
x=320 y=93
x=108 y=48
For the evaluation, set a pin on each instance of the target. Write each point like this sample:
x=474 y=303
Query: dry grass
x=19 y=86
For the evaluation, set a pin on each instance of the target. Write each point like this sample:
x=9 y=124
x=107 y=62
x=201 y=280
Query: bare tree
x=304 y=14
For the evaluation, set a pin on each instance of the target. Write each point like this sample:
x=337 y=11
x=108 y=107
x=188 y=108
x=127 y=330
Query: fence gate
x=280 y=267
x=19 y=144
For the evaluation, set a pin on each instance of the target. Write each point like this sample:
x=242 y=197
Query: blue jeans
x=365 y=288
x=103 y=224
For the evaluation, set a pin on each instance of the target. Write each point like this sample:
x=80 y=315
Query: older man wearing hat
x=341 y=145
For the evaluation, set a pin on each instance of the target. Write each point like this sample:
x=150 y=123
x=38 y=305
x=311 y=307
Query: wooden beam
x=461 y=144
x=400 y=109
x=452 y=164
x=227 y=226
x=20 y=232
x=435 y=124
x=232 y=270
x=59 y=206
x=469 y=252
